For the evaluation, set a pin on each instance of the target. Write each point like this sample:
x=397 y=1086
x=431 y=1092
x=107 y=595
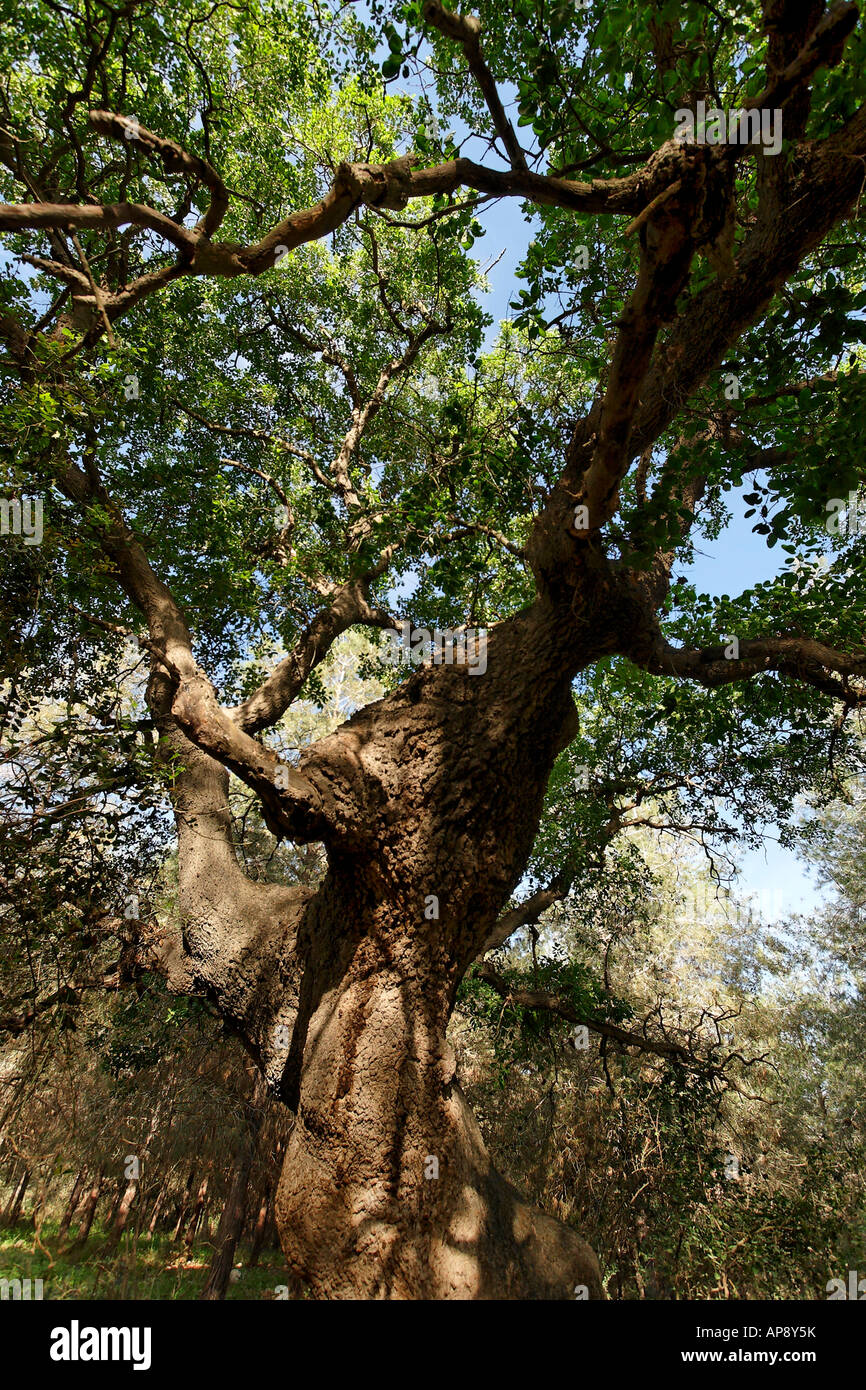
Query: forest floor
x=146 y=1268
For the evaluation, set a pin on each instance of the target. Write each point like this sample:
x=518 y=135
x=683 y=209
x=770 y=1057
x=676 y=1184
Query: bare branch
x=175 y=160
x=525 y=915
x=273 y=697
x=249 y=432
x=551 y=1003
x=466 y=30
x=802 y=658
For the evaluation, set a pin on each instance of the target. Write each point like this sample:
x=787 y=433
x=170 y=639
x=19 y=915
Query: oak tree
x=247 y=376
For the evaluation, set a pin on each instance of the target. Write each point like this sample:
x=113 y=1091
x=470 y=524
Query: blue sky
x=738 y=559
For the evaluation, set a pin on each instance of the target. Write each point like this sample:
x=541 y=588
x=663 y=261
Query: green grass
x=156 y=1269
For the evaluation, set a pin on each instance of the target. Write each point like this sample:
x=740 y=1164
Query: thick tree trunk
x=432 y=799
x=387 y=1190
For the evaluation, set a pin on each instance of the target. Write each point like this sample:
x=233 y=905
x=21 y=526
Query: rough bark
x=343 y=996
x=448 y=780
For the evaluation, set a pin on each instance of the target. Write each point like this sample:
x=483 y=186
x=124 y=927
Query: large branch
x=668 y=245
x=267 y=704
x=823 y=47
x=829 y=183
x=526 y=914
x=291 y=804
x=466 y=29
x=825 y=184
x=551 y=1003
x=390 y=185
x=175 y=160
x=803 y=658
x=235 y=940
x=788 y=24
x=19 y=217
